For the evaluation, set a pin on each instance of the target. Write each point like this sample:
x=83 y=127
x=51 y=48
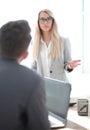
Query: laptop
x=58 y=98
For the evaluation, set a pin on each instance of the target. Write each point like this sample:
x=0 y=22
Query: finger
x=76 y=60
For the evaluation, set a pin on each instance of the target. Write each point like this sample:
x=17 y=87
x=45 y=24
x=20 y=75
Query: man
x=22 y=94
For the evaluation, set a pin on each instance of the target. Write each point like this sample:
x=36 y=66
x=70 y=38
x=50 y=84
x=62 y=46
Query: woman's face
x=45 y=22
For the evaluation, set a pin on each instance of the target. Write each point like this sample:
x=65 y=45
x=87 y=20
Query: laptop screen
x=58 y=96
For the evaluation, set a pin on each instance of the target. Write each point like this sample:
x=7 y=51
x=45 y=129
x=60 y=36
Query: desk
x=83 y=121
x=65 y=129
x=76 y=122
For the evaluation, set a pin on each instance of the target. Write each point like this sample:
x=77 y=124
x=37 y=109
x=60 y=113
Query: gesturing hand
x=74 y=63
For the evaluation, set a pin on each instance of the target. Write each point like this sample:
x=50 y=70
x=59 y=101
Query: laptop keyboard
x=55 y=122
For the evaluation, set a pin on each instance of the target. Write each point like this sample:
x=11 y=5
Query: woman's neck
x=46 y=37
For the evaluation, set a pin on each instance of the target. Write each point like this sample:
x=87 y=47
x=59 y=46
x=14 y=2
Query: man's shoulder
x=31 y=73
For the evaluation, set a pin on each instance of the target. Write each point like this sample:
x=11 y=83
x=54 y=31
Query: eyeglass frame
x=48 y=19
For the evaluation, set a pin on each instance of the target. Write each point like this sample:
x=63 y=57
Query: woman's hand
x=74 y=63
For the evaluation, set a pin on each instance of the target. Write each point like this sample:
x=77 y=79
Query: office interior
x=73 y=19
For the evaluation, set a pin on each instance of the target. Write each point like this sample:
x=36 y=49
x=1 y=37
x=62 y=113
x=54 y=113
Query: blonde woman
x=51 y=52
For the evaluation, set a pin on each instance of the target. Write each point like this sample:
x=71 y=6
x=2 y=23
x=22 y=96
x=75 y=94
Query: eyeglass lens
x=48 y=19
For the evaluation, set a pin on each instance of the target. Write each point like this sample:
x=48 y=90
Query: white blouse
x=44 y=58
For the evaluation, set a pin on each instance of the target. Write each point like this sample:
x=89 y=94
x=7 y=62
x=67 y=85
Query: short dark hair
x=14 y=39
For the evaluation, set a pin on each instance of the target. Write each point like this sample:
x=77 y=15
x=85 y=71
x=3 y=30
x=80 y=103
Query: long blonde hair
x=55 y=38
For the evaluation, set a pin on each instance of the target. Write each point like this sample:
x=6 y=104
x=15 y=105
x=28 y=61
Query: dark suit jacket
x=22 y=98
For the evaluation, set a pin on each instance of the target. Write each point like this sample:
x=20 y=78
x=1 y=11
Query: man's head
x=14 y=39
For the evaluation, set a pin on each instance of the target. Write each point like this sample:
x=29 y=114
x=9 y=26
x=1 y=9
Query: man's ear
x=24 y=56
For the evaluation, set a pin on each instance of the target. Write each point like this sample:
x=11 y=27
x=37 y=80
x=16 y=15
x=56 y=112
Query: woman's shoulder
x=64 y=38
x=65 y=41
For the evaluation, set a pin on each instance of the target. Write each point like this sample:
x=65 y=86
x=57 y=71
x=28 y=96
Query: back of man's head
x=14 y=39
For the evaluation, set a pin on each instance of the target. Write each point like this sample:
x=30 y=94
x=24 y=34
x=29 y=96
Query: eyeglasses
x=48 y=19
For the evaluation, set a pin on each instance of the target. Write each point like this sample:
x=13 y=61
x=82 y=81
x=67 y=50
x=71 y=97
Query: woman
x=51 y=52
